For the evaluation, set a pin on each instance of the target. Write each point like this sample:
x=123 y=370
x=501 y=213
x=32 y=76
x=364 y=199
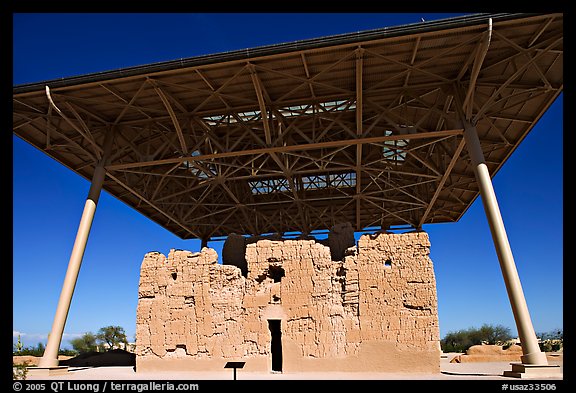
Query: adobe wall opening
x=275 y=344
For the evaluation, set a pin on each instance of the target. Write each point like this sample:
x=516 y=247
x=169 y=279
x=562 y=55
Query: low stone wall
x=374 y=310
x=489 y=353
x=33 y=360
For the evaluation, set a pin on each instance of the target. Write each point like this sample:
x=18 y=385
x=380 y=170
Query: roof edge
x=266 y=50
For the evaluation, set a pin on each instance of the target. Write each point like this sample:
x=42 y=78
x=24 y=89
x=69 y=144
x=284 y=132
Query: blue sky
x=48 y=198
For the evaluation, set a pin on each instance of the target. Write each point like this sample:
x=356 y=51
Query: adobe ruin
x=292 y=306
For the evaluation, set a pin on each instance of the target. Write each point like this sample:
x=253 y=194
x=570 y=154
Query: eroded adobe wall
x=398 y=301
x=375 y=310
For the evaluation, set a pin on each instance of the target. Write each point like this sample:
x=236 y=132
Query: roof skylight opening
x=309 y=183
x=219 y=120
x=339 y=105
x=216 y=120
x=287 y=111
x=334 y=180
x=267 y=186
x=248 y=116
x=394 y=151
x=342 y=180
x=195 y=169
x=314 y=182
x=297 y=110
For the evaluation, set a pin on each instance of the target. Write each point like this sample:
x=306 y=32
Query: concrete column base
x=535 y=358
x=47 y=371
x=520 y=370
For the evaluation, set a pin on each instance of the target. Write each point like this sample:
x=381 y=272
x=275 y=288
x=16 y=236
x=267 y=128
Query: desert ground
x=448 y=371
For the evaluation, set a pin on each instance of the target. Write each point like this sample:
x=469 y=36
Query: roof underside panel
x=364 y=128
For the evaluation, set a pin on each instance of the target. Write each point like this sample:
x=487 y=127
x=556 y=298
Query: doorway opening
x=275 y=344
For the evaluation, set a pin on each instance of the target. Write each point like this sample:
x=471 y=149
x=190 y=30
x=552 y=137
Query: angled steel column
x=530 y=348
x=204 y=243
x=50 y=357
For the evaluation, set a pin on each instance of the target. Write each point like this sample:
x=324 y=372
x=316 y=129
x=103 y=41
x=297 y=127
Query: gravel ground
x=449 y=371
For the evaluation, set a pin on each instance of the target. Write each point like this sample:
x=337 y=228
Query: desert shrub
x=551 y=341
x=19 y=371
x=461 y=340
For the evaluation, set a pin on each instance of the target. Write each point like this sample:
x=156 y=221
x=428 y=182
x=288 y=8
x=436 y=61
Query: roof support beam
x=218 y=90
x=197 y=203
x=222 y=222
x=56 y=144
x=128 y=103
x=539 y=32
x=487 y=105
x=307 y=75
x=468 y=100
x=530 y=349
x=308 y=121
x=442 y=181
x=162 y=178
x=260 y=92
x=229 y=192
x=50 y=355
x=309 y=81
x=389 y=213
x=391 y=186
x=170 y=110
x=48 y=127
x=288 y=148
x=412 y=58
x=82 y=124
x=526 y=54
x=359 y=67
x=97 y=149
x=263 y=111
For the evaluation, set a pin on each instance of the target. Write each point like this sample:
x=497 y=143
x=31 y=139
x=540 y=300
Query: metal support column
x=50 y=357
x=530 y=348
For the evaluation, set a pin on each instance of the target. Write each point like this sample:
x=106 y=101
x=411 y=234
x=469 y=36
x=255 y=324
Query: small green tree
x=458 y=341
x=494 y=335
x=40 y=348
x=84 y=344
x=112 y=337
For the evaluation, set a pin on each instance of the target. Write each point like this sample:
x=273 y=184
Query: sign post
x=235 y=365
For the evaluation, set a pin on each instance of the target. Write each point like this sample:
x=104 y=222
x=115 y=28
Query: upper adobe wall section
x=340 y=238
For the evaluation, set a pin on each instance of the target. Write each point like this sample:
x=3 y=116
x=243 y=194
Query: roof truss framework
x=364 y=130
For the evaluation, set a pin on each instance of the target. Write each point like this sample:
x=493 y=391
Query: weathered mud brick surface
x=374 y=309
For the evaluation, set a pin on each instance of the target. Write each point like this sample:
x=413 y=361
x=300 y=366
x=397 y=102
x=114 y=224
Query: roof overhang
x=363 y=127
